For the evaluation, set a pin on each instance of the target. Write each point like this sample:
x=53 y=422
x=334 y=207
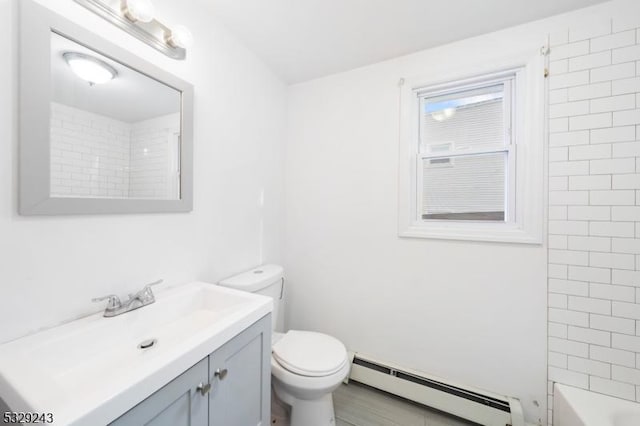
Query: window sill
x=493 y=232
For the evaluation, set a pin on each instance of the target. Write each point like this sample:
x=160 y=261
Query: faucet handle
x=114 y=301
x=147 y=293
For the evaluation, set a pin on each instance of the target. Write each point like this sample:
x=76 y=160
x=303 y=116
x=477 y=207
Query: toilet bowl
x=306 y=366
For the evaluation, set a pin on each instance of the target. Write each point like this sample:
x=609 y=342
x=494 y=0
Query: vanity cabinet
x=178 y=403
x=239 y=373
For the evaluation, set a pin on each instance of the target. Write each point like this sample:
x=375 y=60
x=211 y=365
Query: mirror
x=118 y=137
x=102 y=131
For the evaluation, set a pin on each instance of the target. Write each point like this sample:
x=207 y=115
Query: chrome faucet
x=142 y=298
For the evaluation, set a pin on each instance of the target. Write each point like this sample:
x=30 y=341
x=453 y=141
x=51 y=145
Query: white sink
x=91 y=371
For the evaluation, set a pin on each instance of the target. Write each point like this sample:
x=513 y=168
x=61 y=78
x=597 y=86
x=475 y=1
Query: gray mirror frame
x=36 y=25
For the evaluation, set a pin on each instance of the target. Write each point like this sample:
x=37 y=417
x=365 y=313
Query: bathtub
x=579 y=407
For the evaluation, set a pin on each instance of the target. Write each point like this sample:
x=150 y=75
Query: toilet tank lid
x=254 y=280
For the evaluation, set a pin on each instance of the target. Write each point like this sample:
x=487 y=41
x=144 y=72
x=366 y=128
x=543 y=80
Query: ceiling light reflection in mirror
x=89 y=68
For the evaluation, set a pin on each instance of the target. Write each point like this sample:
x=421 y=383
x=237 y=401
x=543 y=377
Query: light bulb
x=180 y=36
x=89 y=68
x=138 y=10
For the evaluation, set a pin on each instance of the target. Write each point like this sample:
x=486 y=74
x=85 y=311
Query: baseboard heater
x=470 y=404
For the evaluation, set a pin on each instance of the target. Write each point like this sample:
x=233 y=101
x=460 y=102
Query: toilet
x=306 y=366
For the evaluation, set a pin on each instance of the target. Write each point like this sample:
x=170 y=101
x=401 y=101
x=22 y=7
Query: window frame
x=507 y=79
x=525 y=183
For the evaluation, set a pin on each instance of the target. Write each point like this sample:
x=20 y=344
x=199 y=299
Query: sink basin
x=92 y=370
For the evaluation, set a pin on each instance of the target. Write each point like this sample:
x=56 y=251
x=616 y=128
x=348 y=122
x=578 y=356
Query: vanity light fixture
x=179 y=36
x=138 y=18
x=138 y=10
x=89 y=68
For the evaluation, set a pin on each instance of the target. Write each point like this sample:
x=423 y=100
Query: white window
x=471 y=157
x=465 y=154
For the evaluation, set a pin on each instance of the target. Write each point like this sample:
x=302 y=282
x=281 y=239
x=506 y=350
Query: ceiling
x=306 y=39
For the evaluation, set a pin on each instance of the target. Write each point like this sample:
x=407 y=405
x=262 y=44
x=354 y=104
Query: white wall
x=594 y=232
x=471 y=312
x=52 y=266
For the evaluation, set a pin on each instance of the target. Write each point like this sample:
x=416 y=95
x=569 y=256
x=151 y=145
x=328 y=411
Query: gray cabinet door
x=176 y=404
x=240 y=377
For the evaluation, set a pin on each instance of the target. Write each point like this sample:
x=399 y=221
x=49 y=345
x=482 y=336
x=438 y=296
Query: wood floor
x=360 y=405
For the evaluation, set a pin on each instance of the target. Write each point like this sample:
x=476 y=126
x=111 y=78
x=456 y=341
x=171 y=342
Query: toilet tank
x=267 y=280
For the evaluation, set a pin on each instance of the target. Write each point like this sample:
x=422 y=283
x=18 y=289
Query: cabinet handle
x=204 y=389
x=221 y=374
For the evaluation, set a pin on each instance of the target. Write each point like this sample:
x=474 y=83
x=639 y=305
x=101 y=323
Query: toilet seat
x=309 y=354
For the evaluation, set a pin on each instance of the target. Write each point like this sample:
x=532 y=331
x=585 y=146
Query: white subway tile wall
x=594 y=209
x=89 y=154
x=97 y=156
x=152 y=171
